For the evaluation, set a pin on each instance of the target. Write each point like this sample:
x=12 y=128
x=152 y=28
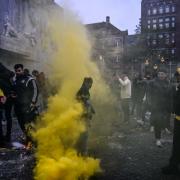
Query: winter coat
x=160 y=95
x=138 y=90
x=26 y=90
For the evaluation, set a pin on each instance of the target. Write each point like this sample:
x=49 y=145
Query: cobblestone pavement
x=15 y=164
x=129 y=153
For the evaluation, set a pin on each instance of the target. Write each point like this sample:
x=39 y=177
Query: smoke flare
x=60 y=126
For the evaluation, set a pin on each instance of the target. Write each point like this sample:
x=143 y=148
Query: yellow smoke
x=60 y=126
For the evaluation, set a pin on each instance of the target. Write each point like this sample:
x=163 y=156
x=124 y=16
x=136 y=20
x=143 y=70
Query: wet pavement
x=15 y=164
x=128 y=153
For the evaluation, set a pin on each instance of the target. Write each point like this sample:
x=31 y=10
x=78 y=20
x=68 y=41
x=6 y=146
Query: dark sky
x=124 y=14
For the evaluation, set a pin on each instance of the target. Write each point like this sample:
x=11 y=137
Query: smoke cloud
x=57 y=131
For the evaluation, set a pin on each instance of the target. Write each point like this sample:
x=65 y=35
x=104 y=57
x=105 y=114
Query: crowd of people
x=157 y=96
x=20 y=95
x=24 y=95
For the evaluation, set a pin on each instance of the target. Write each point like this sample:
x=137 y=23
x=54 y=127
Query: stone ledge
x=16 y=45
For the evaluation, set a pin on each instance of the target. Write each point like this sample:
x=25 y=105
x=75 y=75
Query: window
x=173 y=34
x=160 y=20
x=173 y=9
x=173 y=40
x=173 y=24
x=117 y=59
x=172 y=51
x=167 y=19
x=167 y=9
x=154 y=21
x=100 y=57
x=154 y=11
x=154 y=42
x=118 y=42
x=149 y=21
x=167 y=25
x=161 y=10
x=167 y=41
x=173 y=18
x=160 y=26
x=154 y=26
x=166 y=35
x=160 y=36
x=149 y=27
x=149 y=12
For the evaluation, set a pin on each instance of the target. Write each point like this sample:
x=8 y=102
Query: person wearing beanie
x=161 y=104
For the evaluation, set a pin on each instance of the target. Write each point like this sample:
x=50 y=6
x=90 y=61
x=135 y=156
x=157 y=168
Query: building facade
x=109 y=44
x=160 y=23
x=22 y=25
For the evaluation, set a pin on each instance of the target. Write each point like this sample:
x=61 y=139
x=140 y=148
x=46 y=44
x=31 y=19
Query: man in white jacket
x=125 y=84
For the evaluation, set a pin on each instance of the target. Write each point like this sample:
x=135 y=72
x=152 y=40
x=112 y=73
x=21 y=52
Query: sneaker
x=167 y=131
x=4 y=122
x=158 y=143
x=170 y=170
x=152 y=129
x=141 y=122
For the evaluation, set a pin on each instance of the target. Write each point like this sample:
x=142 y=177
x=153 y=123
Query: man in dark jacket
x=161 y=103
x=26 y=94
x=147 y=99
x=174 y=162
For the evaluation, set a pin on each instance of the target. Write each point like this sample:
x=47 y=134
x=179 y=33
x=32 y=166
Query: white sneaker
x=167 y=131
x=3 y=122
x=152 y=129
x=158 y=143
x=141 y=122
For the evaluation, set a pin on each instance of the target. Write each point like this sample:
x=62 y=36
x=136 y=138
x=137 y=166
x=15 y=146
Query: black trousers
x=146 y=107
x=175 y=157
x=1 y=130
x=8 y=110
x=159 y=121
x=137 y=105
x=81 y=144
x=126 y=108
x=25 y=117
x=20 y=112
